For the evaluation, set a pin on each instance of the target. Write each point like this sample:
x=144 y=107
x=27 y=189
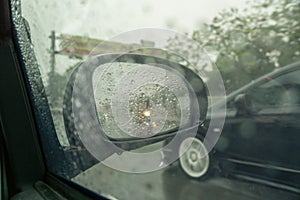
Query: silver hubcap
x=194 y=158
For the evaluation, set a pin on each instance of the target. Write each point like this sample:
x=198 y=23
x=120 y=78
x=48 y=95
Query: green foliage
x=249 y=42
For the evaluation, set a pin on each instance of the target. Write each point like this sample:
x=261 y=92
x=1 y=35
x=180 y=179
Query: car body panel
x=266 y=138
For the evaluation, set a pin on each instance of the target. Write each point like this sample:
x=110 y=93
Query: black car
x=260 y=136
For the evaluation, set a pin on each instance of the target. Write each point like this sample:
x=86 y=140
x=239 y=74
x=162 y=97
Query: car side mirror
x=131 y=101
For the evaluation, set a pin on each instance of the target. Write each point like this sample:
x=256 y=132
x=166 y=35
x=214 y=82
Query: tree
x=249 y=42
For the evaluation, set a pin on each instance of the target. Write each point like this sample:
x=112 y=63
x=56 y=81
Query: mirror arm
x=135 y=143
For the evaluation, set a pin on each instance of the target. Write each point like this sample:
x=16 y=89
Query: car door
x=275 y=111
x=266 y=129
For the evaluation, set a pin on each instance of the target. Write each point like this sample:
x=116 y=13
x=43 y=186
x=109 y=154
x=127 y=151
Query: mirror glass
x=141 y=100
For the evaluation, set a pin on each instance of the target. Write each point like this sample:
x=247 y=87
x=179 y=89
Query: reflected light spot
x=147 y=113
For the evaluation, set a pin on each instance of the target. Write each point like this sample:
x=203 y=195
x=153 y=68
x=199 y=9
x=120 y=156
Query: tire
x=194 y=161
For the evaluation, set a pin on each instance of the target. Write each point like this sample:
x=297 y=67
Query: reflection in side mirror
x=133 y=100
x=139 y=100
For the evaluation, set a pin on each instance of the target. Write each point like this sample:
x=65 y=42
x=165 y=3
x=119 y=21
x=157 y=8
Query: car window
x=278 y=93
x=138 y=99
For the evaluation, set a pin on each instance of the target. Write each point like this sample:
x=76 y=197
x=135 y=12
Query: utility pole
x=52 y=52
x=51 y=80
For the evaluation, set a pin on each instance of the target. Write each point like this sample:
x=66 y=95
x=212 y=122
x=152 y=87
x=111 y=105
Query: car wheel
x=194 y=159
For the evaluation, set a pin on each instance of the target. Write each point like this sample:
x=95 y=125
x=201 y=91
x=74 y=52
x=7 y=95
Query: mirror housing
x=88 y=92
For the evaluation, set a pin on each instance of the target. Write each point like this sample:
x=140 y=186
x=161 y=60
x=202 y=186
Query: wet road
x=172 y=184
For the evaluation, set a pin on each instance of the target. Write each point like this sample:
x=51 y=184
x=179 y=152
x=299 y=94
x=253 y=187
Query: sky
x=105 y=19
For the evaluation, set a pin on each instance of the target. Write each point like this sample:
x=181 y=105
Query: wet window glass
x=166 y=100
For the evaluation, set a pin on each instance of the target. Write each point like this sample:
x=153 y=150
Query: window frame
x=21 y=146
